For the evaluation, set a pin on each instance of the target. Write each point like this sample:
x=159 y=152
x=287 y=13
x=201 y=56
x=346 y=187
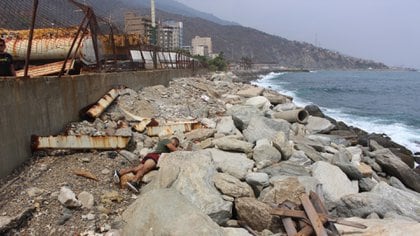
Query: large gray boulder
x=265 y=128
x=191 y=174
x=334 y=182
x=342 y=159
x=319 y=125
x=266 y=155
x=288 y=168
x=276 y=98
x=382 y=199
x=250 y=91
x=310 y=152
x=282 y=144
x=235 y=164
x=393 y=165
x=256 y=214
x=243 y=114
x=234 y=145
x=383 y=227
x=200 y=134
x=68 y=198
x=299 y=157
x=226 y=125
x=256 y=179
x=283 y=189
x=167 y=212
x=260 y=102
x=232 y=186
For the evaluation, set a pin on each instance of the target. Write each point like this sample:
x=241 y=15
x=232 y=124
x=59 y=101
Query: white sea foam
x=399 y=133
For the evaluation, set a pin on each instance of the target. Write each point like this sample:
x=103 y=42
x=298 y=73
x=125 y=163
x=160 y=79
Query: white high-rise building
x=170 y=35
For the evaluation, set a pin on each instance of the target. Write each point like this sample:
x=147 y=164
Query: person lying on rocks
x=148 y=163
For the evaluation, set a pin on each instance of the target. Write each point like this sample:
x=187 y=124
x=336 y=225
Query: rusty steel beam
x=96 y=110
x=320 y=208
x=31 y=36
x=79 y=142
x=313 y=216
x=79 y=30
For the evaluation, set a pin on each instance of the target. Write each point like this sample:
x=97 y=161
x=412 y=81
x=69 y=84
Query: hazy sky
x=382 y=30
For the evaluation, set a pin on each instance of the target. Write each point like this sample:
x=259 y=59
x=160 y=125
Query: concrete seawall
x=42 y=106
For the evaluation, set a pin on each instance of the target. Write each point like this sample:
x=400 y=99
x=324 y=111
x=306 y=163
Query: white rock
x=234 y=145
x=226 y=125
x=167 y=212
x=257 y=179
x=235 y=164
x=259 y=102
x=86 y=199
x=34 y=191
x=250 y=92
x=232 y=186
x=68 y=199
x=105 y=171
x=209 y=123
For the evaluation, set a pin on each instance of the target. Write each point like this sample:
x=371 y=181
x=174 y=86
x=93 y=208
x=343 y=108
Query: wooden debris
x=86 y=174
x=311 y=218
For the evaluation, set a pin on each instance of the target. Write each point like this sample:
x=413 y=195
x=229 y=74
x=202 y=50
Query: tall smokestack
x=152 y=6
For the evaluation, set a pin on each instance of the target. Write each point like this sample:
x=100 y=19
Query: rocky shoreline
x=252 y=149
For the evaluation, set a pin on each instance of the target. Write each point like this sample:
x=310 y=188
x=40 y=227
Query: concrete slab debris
x=171 y=128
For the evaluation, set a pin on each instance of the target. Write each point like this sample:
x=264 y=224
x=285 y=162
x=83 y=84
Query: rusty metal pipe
x=31 y=36
x=96 y=110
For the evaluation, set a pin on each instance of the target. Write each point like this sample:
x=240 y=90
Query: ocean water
x=380 y=102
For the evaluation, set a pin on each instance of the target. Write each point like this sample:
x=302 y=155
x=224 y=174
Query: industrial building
x=202 y=46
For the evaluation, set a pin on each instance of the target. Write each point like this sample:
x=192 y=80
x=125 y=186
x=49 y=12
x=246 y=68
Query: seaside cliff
x=254 y=149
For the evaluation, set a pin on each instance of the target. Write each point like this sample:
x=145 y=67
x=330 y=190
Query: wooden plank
x=320 y=208
x=313 y=216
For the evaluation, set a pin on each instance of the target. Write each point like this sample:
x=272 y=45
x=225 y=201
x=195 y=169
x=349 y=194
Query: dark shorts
x=151 y=156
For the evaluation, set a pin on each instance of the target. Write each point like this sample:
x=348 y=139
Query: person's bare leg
x=133 y=170
x=146 y=168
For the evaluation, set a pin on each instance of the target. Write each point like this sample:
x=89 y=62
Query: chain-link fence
x=72 y=36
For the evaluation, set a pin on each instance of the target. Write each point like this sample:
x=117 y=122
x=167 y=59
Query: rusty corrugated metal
x=80 y=142
x=171 y=128
x=103 y=103
x=47 y=69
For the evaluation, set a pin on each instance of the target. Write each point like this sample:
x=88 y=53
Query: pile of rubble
x=255 y=156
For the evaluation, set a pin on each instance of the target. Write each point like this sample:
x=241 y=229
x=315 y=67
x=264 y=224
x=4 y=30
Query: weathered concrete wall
x=43 y=106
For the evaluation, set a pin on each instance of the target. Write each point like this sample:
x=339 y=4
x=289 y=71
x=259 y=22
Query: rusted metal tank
x=54 y=44
x=53 y=49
